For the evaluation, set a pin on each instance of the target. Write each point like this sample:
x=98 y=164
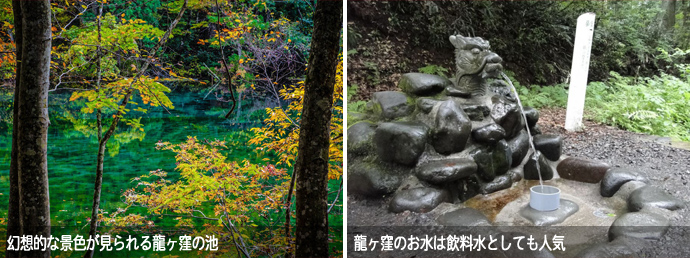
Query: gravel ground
x=667 y=167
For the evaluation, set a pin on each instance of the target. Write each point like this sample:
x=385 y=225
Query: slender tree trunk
x=13 y=227
x=685 y=29
x=101 y=149
x=670 y=15
x=104 y=139
x=34 y=200
x=311 y=167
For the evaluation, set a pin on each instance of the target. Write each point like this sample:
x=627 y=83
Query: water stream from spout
x=529 y=134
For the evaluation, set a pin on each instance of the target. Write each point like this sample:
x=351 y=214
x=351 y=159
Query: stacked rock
x=446 y=140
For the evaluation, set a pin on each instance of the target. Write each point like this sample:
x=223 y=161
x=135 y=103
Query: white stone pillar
x=579 y=71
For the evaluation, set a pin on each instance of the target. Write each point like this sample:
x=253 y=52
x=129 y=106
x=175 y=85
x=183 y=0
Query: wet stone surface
x=489 y=134
x=359 y=138
x=499 y=183
x=507 y=115
x=531 y=172
x=519 y=147
x=616 y=177
x=641 y=225
x=452 y=128
x=400 y=142
x=532 y=115
x=620 y=247
x=477 y=112
x=549 y=145
x=548 y=218
x=391 y=104
x=426 y=104
x=582 y=170
x=493 y=161
x=418 y=200
x=464 y=217
x=652 y=196
x=422 y=84
x=446 y=170
x=372 y=178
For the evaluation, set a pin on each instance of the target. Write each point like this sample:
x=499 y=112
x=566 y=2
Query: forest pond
x=72 y=148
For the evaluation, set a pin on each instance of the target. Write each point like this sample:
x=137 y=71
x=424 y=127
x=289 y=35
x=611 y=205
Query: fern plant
x=434 y=69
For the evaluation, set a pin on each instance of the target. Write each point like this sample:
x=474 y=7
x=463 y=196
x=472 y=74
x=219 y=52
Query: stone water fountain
x=464 y=150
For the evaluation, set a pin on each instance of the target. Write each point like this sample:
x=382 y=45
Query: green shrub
x=354 y=106
x=434 y=69
x=658 y=105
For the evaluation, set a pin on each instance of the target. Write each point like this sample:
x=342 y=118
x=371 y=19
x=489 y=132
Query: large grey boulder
x=493 y=161
x=360 y=138
x=582 y=170
x=490 y=133
x=426 y=104
x=400 y=142
x=391 y=104
x=654 y=197
x=418 y=200
x=507 y=115
x=373 y=179
x=641 y=225
x=532 y=115
x=616 y=177
x=519 y=147
x=477 y=112
x=452 y=128
x=422 y=84
x=532 y=173
x=446 y=170
x=550 y=145
x=499 y=183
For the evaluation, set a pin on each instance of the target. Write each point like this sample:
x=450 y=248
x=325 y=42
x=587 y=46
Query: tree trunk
x=33 y=120
x=670 y=15
x=311 y=167
x=13 y=227
x=113 y=125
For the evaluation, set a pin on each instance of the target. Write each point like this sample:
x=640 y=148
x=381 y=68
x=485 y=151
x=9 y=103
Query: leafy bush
x=434 y=69
x=535 y=38
x=658 y=105
x=543 y=96
x=354 y=106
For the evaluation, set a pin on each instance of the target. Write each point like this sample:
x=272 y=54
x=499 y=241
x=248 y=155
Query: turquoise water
x=72 y=148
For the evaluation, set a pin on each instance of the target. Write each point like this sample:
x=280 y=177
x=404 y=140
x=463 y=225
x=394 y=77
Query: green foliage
x=353 y=37
x=535 y=38
x=434 y=69
x=543 y=96
x=354 y=106
x=658 y=105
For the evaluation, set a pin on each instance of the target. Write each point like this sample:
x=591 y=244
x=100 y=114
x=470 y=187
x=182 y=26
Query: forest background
x=207 y=142
x=639 y=78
